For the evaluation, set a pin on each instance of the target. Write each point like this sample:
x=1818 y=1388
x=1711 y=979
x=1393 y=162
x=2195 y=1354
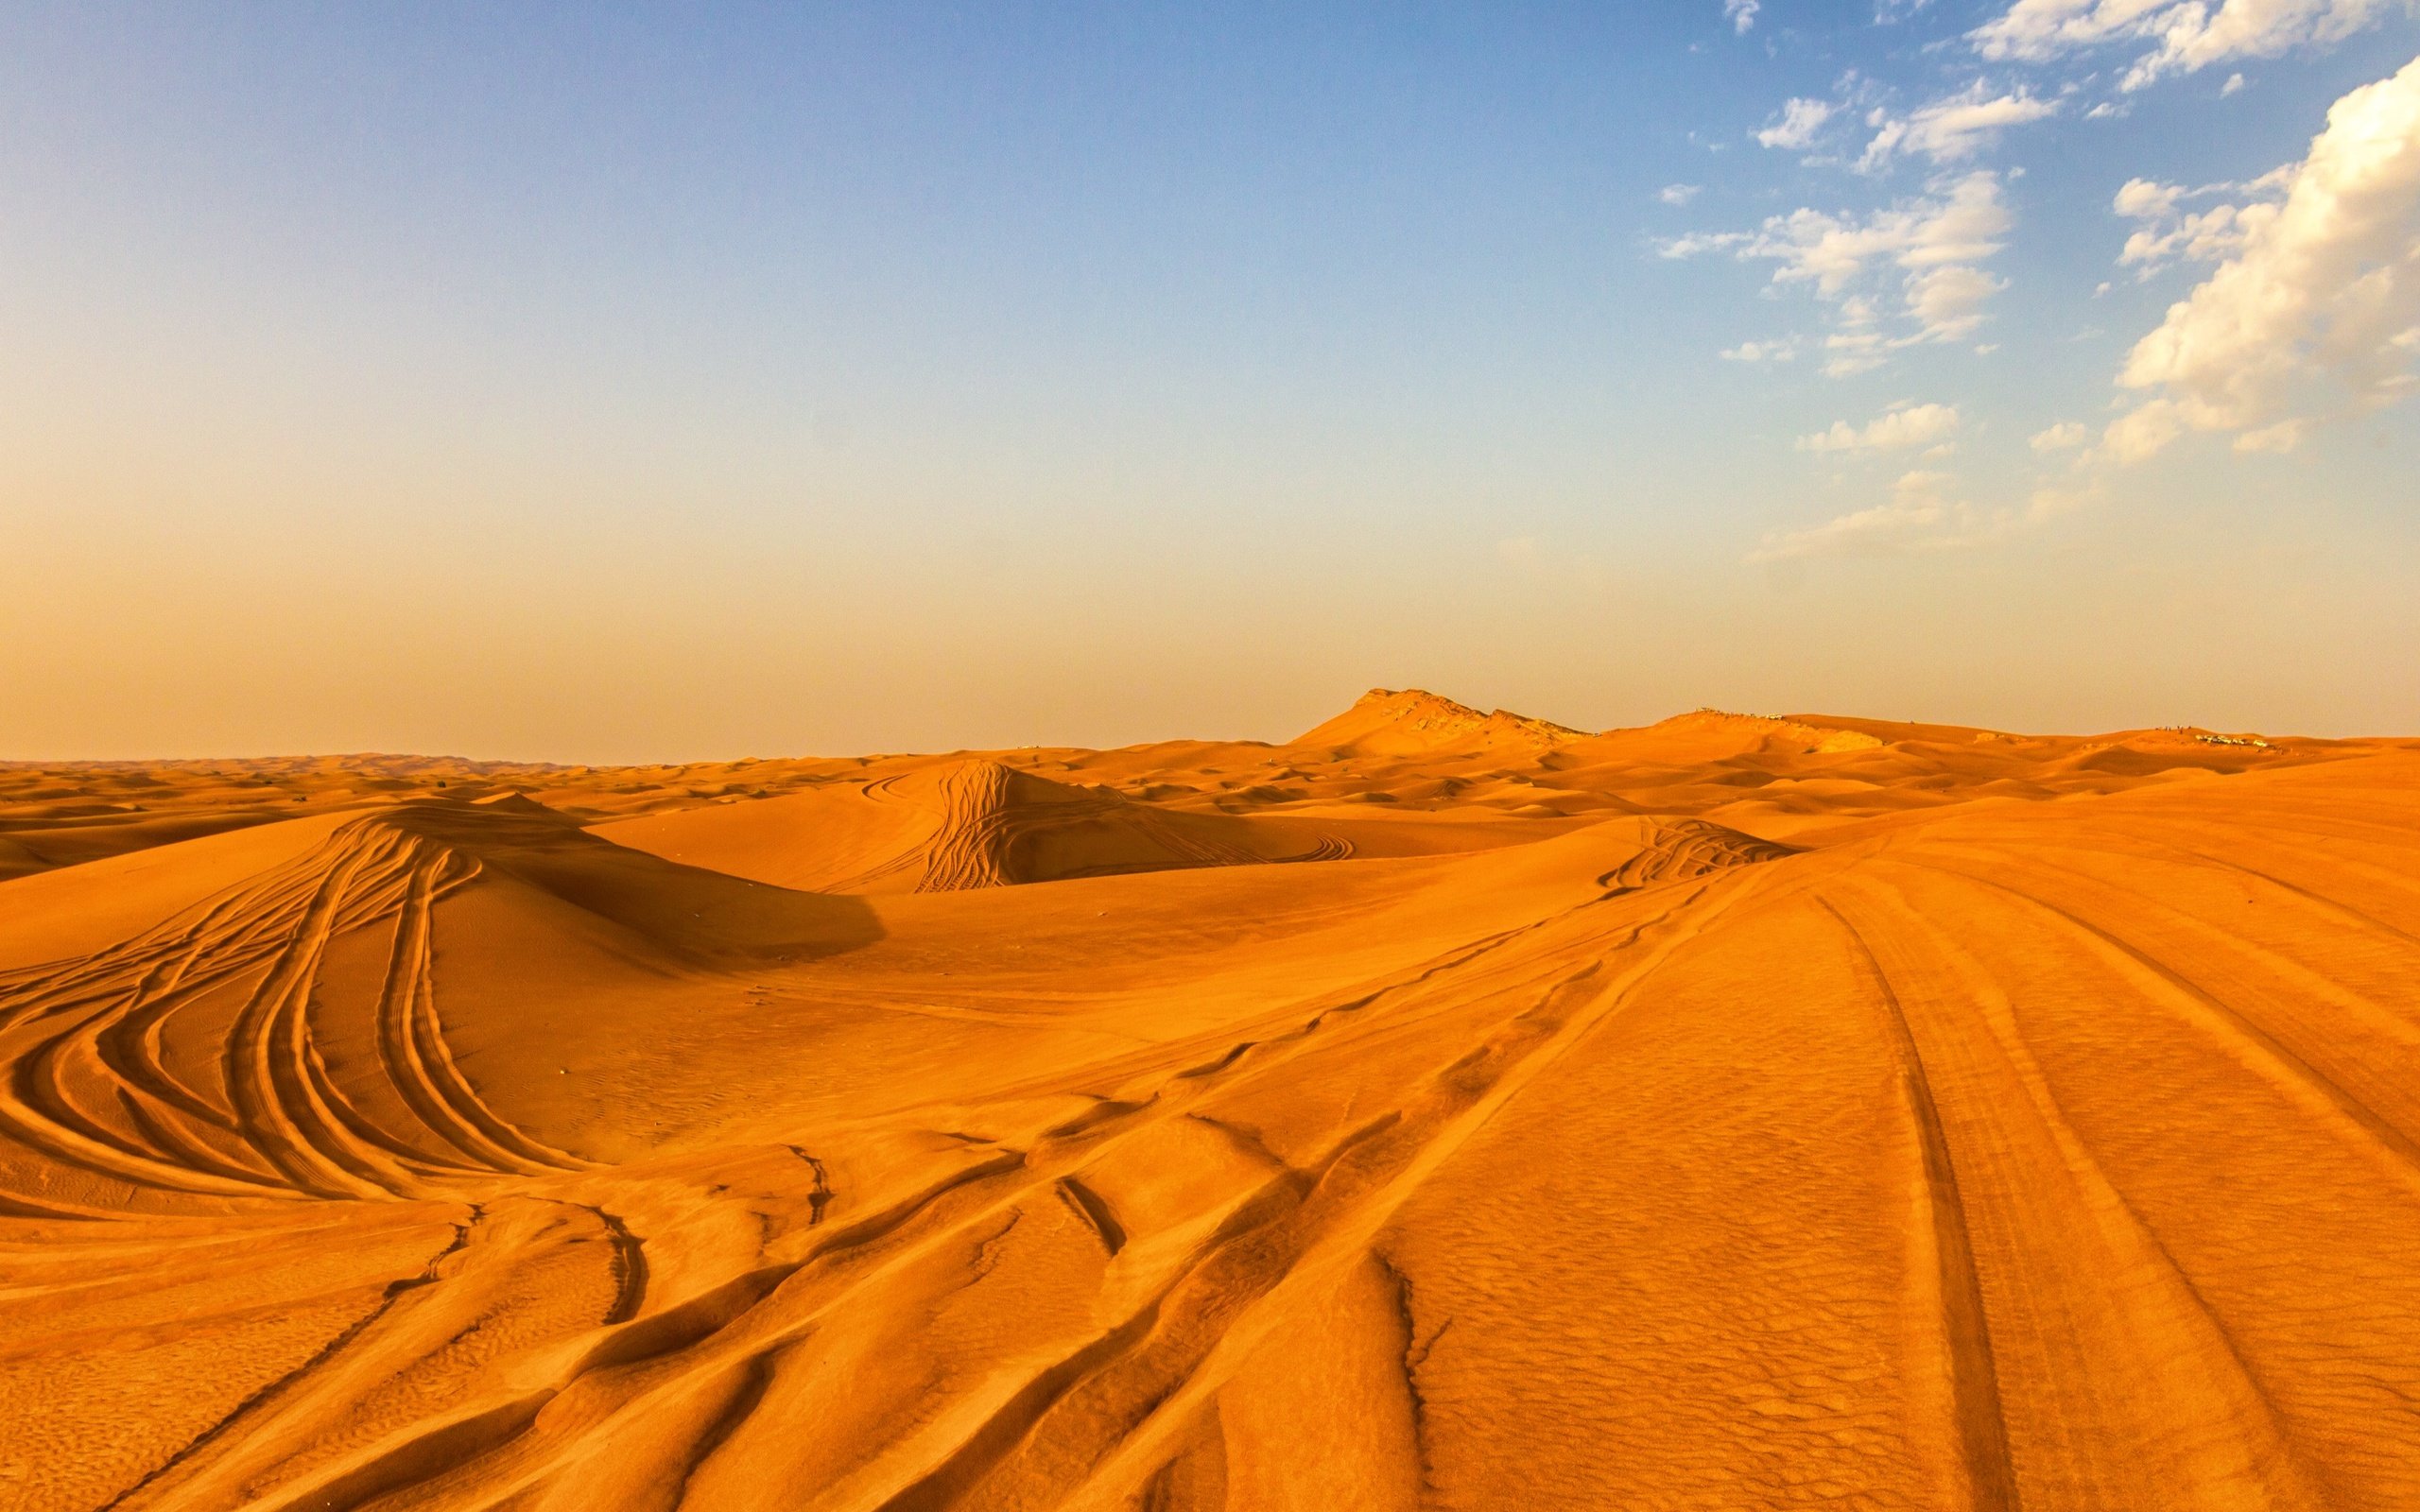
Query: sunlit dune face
x=1445 y=1108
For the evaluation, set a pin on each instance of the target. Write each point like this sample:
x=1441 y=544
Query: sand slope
x=2018 y=1122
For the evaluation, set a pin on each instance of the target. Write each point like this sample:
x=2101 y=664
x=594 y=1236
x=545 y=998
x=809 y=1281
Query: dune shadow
x=710 y=918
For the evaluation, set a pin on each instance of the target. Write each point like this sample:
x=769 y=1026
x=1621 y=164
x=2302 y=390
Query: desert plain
x=1441 y=1110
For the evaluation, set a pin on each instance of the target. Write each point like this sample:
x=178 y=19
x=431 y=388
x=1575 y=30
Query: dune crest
x=1000 y=826
x=1384 y=722
x=1767 y=731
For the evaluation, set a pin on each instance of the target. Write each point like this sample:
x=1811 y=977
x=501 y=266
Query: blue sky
x=650 y=383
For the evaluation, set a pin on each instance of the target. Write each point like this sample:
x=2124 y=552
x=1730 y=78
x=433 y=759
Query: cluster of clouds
x=2172 y=36
x=1907 y=274
x=2308 y=308
x=1945 y=131
x=2314 y=306
x=2168 y=36
x=2168 y=233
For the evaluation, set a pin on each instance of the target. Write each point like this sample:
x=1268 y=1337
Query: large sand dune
x=1444 y=1109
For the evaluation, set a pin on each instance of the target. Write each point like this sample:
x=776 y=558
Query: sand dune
x=1414 y=722
x=1444 y=1109
x=968 y=824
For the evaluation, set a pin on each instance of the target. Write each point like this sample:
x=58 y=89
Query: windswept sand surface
x=1446 y=1109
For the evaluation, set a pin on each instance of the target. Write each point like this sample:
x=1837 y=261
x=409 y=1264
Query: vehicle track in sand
x=88 y=1084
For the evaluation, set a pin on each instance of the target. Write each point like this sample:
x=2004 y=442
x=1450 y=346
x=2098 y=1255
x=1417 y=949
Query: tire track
x=775 y=1315
x=1346 y=1235
x=2257 y=1049
x=1974 y=1375
x=2095 y=1321
x=87 y=1084
x=411 y=1042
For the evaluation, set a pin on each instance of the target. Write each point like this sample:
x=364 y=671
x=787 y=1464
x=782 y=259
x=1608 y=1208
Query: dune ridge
x=1814 y=740
x=994 y=815
x=1384 y=722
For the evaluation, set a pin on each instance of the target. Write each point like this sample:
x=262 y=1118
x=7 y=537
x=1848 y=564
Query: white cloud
x=2049 y=503
x=1702 y=241
x=1923 y=514
x=2182 y=35
x=2142 y=199
x=1962 y=223
x=1781 y=351
x=2064 y=436
x=1903 y=427
x=1678 y=194
x=1913 y=520
x=2282 y=437
x=1947 y=301
x=2204 y=237
x=2233 y=85
x=1933 y=242
x=2142 y=433
x=2173 y=232
x=2315 y=299
x=1952 y=127
x=1741 y=14
x=1854 y=352
x=1796 y=127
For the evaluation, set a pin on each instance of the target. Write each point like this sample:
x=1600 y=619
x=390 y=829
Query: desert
x=1060 y=756
x=1442 y=1108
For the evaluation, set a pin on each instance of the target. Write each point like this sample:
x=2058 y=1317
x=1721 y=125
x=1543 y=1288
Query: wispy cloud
x=1903 y=427
x=1678 y=194
x=1919 y=516
x=1741 y=14
x=1781 y=351
x=1934 y=242
x=1953 y=128
x=1926 y=512
x=1794 y=129
x=2175 y=36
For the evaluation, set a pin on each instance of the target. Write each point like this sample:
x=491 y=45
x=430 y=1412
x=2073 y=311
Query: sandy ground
x=1444 y=1109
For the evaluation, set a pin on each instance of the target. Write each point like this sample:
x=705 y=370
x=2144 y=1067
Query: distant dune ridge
x=1442 y=1108
x=1767 y=732
x=1413 y=722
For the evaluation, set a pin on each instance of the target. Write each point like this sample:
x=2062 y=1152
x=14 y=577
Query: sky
x=641 y=383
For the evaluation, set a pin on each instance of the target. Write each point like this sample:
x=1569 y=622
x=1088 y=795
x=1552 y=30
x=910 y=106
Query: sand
x=1446 y=1109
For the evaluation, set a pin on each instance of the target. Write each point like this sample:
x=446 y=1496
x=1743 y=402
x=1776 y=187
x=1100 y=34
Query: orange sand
x=1444 y=1109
